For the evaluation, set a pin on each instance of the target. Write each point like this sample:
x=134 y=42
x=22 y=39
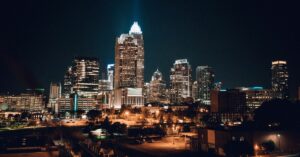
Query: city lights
x=198 y=78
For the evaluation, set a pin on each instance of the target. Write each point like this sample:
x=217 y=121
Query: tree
x=277 y=113
x=238 y=148
x=80 y=112
x=124 y=108
x=136 y=110
x=268 y=146
x=106 y=123
x=117 y=127
x=159 y=131
x=93 y=114
x=191 y=112
x=25 y=115
x=186 y=128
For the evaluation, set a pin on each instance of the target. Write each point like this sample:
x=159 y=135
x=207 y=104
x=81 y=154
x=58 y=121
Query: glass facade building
x=280 y=77
x=181 y=81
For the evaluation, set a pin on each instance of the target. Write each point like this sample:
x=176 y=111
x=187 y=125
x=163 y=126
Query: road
x=165 y=147
x=32 y=154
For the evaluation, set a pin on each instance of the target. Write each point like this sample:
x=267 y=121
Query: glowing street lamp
x=256 y=148
x=126 y=113
x=278 y=136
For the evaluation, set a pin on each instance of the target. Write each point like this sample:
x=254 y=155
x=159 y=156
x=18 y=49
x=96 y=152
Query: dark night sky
x=239 y=39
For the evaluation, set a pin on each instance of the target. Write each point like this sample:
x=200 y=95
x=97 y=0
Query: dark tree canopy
x=93 y=114
x=278 y=113
x=238 y=148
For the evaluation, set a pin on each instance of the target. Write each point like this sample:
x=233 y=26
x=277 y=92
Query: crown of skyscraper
x=135 y=29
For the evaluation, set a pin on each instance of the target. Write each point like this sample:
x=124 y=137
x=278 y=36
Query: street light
x=278 y=136
x=126 y=113
x=256 y=148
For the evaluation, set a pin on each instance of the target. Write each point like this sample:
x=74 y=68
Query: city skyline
x=253 y=69
x=149 y=78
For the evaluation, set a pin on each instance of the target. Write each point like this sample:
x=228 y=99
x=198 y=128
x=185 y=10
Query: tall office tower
x=205 y=78
x=55 y=90
x=67 y=82
x=195 y=91
x=129 y=59
x=85 y=76
x=157 y=88
x=146 y=92
x=54 y=95
x=104 y=86
x=82 y=77
x=255 y=96
x=181 y=81
x=280 y=77
x=110 y=75
x=129 y=68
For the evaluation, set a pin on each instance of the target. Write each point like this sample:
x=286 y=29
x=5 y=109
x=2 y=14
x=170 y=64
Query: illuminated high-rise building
x=82 y=77
x=195 y=91
x=55 y=90
x=68 y=82
x=54 y=95
x=129 y=68
x=205 y=78
x=255 y=96
x=110 y=75
x=280 y=77
x=157 y=88
x=181 y=81
x=146 y=92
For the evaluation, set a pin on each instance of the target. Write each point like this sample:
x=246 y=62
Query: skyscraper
x=129 y=59
x=54 y=95
x=55 y=90
x=205 y=78
x=68 y=82
x=157 y=88
x=195 y=91
x=82 y=77
x=129 y=68
x=280 y=79
x=110 y=75
x=181 y=81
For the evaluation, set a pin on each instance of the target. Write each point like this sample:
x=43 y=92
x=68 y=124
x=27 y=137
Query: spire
x=135 y=29
x=157 y=70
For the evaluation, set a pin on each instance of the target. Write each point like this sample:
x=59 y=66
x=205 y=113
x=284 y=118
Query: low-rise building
x=217 y=139
x=24 y=102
